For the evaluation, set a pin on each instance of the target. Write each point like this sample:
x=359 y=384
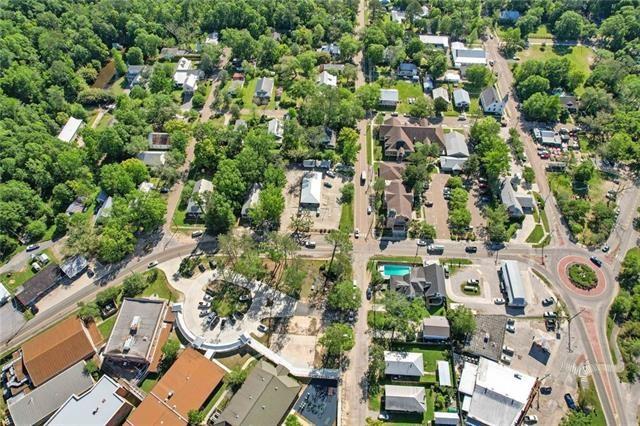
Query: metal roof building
x=311 y=190
x=403 y=363
x=407 y=399
x=444 y=373
x=70 y=130
x=513 y=283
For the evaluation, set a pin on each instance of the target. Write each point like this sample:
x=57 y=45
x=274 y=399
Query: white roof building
x=70 y=130
x=311 y=190
x=498 y=393
x=452 y=77
x=464 y=56
x=435 y=40
x=444 y=373
x=389 y=97
x=191 y=83
x=398 y=15
x=407 y=399
x=184 y=64
x=275 y=127
x=456 y=144
x=4 y=294
x=212 y=38
x=445 y=418
x=403 y=364
x=327 y=79
x=513 y=283
x=152 y=158
x=99 y=406
x=197 y=202
x=440 y=92
x=461 y=98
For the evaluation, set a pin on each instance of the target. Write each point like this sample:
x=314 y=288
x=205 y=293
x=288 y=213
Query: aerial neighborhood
x=355 y=212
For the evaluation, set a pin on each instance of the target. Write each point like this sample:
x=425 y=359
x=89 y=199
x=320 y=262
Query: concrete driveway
x=11 y=321
x=438 y=214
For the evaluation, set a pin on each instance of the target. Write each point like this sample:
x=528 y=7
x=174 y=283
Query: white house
x=441 y=92
x=403 y=364
x=461 y=98
x=275 y=127
x=492 y=102
x=70 y=130
x=389 y=97
x=197 y=202
x=404 y=399
x=398 y=15
x=152 y=158
x=441 y=42
x=452 y=76
x=464 y=57
x=457 y=153
x=327 y=79
x=191 y=83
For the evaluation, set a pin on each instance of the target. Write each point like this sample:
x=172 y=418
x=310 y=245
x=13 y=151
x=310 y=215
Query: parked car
x=244 y=298
x=473 y=281
x=232 y=320
x=531 y=419
x=605 y=248
x=328 y=184
x=263 y=328
x=550 y=314
x=32 y=247
x=214 y=322
x=152 y=264
x=511 y=328
x=383 y=416
x=223 y=322
x=545 y=390
x=508 y=350
x=428 y=203
x=471 y=249
x=505 y=358
x=204 y=305
x=204 y=313
x=570 y=402
x=351 y=317
x=238 y=315
x=548 y=301
x=331 y=173
x=310 y=244
x=422 y=243
x=550 y=324
x=596 y=261
x=369 y=293
x=356 y=233
x=369 y=209
x=499 y=301
x=196 y=234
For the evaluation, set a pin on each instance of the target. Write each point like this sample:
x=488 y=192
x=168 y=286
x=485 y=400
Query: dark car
x=369 y=293
x=214 y=323
x=238 y=315
x=223 y=323
x=596 y=261
x=471 y=249
x=545 y=390
x=202 y=268
x=203 y=314
x=570 y=402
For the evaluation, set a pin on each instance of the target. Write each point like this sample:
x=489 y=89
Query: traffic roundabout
x=581 y=277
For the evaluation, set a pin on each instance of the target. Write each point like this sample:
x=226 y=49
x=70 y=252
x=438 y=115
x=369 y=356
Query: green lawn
x=579 y=56
x=430 y=354
x=536 y=235
x=149 y=382
x=247 y=96
x=160 y=287
x=216 y=396
x=541 y=32
x=106 y=326
x=18 y=278
x=346 y=217
x=407 y=90
x=589 y=397
x=369 y=146
x=104 y=121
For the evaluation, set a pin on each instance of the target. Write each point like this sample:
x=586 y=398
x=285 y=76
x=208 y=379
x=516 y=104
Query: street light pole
x=569 y=325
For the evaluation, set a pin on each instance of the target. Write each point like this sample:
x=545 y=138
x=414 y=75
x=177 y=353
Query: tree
x=292 y=420
x=198 y=100
x=36 y=230
x=348 y=145
x=423 y=107
x=235 y=377
x=169 y=353
x=229 y=183
x=219 y=217
x=496 y=224
x=134 y=285
x=88 y=311
x=115 y=180
x=512 y=40
x=340 y=241
x=436 y=63
x=422 y=230
x=337 y=338
x=459 y=219
x=300 y=224
x=149 y=210
x=528 y=175
x=347 y=192
x=369 y=96
x=349 y=46
x=532 y=84
x=344 y=296
x=542 y=107
x=121 y=67
x=91 y=368
x=462 y=322
x=269 y=208
x=135 y=56
x=440 y=104
x=196 y=417
x=479 y=76
x=569 y=26
x=136 y=169
x=375 y=54
x=630 y=271
x=116 y=242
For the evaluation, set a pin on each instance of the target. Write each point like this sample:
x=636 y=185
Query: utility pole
x=569 y=319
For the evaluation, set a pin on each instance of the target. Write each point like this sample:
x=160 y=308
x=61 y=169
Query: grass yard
x=18 y=278
x=236 y=360
x=160 y=287
x=430 y=354
x=407 y=90
x=104 y=121
x=455 y=263
x=247 y=96
x=536 y=235
x=346 y=217
x=588 y=396
x=369 y=145
x=580 y=56
x=149 y=382
x=413 y=260
x=541 y=32
x=106 y=326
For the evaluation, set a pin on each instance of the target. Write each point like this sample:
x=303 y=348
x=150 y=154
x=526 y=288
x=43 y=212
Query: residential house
x=58 y=348
x=547 y=137
x=423 y=281
x=190 y=84
x=146 y=187
x=71 y=129
x=329 y=139
x=441 y=42
x=435 y=328
x=212 y=38
x=159 y=141
x=463 y=56
x=138 y=335
x=494 y=394
x=182 y=71
x=491 y=101
x=237 y=83
x=408 y=364
x=136 y=74
x=251 y=201
x=461 y=98
x=74 y=266
x=389 y=97
x=404 y=399
x=407 y=70
x=104 y=212
x=5 y=296
x=311 y=191
x=39 y=285
x=152 y=158
x=332 y=49
x=457 y=152
x=36 y=406
x=517 y=204
x=327 y=79
x=510 y=16
x=570 y=103
x=264 y=90
x=77 y=206
x=265 y=398
x=186 y=386
x=168 y=53
x=197 y=203
x=398 y=15
x=104 y=404
x=399 y=136
x=427 y=83
x=275 y=127
x=441 y=93
x=445 y=418
x=398 y=202
x=452 y=76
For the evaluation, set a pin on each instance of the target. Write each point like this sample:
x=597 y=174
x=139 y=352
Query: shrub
x=582 y=276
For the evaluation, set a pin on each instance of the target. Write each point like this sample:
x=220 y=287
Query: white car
x=152 y=264
x=369 y=209
x=510 y=328
x=531 y=419
x=422 y=243
x=383 y=416
x=506 y=359
x=356 y=233
x=499 y=301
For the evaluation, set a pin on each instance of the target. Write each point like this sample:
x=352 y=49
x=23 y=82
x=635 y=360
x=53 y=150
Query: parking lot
x=438 y=214
x=485 y=270
x=328 y=215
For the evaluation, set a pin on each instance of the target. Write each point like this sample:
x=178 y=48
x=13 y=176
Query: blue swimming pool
x=391 y=270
